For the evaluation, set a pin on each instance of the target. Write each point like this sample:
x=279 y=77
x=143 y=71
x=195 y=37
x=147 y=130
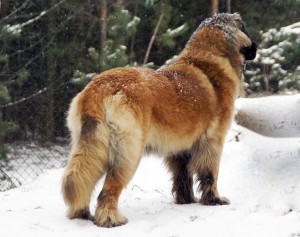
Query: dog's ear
x=249 y=52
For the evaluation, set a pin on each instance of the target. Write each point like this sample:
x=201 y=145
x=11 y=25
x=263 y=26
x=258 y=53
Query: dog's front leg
x=182 y=179
x=205 y=164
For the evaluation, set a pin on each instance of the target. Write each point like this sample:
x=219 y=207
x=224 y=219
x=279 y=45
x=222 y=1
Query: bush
x=276 y=67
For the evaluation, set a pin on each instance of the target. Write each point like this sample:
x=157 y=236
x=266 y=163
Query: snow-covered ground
x=260 y=175
x=275 y=116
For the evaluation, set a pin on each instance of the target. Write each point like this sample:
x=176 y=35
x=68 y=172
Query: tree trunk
x=152 y=39
x=214 y=7
x=132 y=43
x=120 y=2
x=228 y=6
x=50 y=109
x=103 y=17
x=51 y=65
x=266 y=77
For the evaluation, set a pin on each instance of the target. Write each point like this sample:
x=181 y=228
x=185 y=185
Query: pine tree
x=121 y=25
x=8 y=32
x=6 y=127
x=277 y=64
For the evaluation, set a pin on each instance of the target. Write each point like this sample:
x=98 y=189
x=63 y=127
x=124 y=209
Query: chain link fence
x=41 y=141
x=27 y=161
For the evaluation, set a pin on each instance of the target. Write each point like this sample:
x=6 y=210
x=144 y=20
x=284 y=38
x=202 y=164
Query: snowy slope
x=260 y=175
x=275 y=116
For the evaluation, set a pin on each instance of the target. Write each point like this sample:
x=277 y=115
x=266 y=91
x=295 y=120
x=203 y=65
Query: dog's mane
x=226 y=23
x=220 y=21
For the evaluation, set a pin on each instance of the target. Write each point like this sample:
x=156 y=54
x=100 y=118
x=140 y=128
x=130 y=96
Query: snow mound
x=275 y=116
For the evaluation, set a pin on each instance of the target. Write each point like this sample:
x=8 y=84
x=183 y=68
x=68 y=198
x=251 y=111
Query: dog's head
x=235 y=33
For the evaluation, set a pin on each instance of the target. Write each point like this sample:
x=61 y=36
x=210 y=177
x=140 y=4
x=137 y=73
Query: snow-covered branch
x=32 y=96
x=24 y=99
x=17 y=28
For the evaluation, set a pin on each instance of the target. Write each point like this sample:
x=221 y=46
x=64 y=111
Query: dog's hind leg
x=87 y=164
x=125 y=150
x=182 y=179
x=206 y=166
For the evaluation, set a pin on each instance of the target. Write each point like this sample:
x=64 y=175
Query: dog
x=181 y=111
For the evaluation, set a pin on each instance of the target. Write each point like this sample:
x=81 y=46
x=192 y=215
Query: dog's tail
x=88 y=158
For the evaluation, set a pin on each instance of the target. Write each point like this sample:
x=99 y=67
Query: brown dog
x=182 y=111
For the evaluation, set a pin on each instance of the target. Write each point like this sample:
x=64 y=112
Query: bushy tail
x=88 y=159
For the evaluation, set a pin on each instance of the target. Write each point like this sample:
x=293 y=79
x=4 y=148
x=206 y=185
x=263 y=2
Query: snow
x=280 y=40
x=177 y=31
x=276 y=116
x=259 y=174
x=131 y=24
x=17 y=28
x=283 y=32
x=13 y=29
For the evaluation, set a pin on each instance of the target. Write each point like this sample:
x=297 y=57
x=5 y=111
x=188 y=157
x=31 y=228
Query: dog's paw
x=109 y=218
x=213 y=201
x=184 y=199
x=81 y=214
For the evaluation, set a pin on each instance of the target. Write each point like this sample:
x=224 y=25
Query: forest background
x=50 y=49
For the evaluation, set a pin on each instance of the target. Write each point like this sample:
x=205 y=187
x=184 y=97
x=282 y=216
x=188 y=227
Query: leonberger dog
x=181 y=112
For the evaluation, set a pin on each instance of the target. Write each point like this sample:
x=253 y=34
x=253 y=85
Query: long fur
x=181 y=111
